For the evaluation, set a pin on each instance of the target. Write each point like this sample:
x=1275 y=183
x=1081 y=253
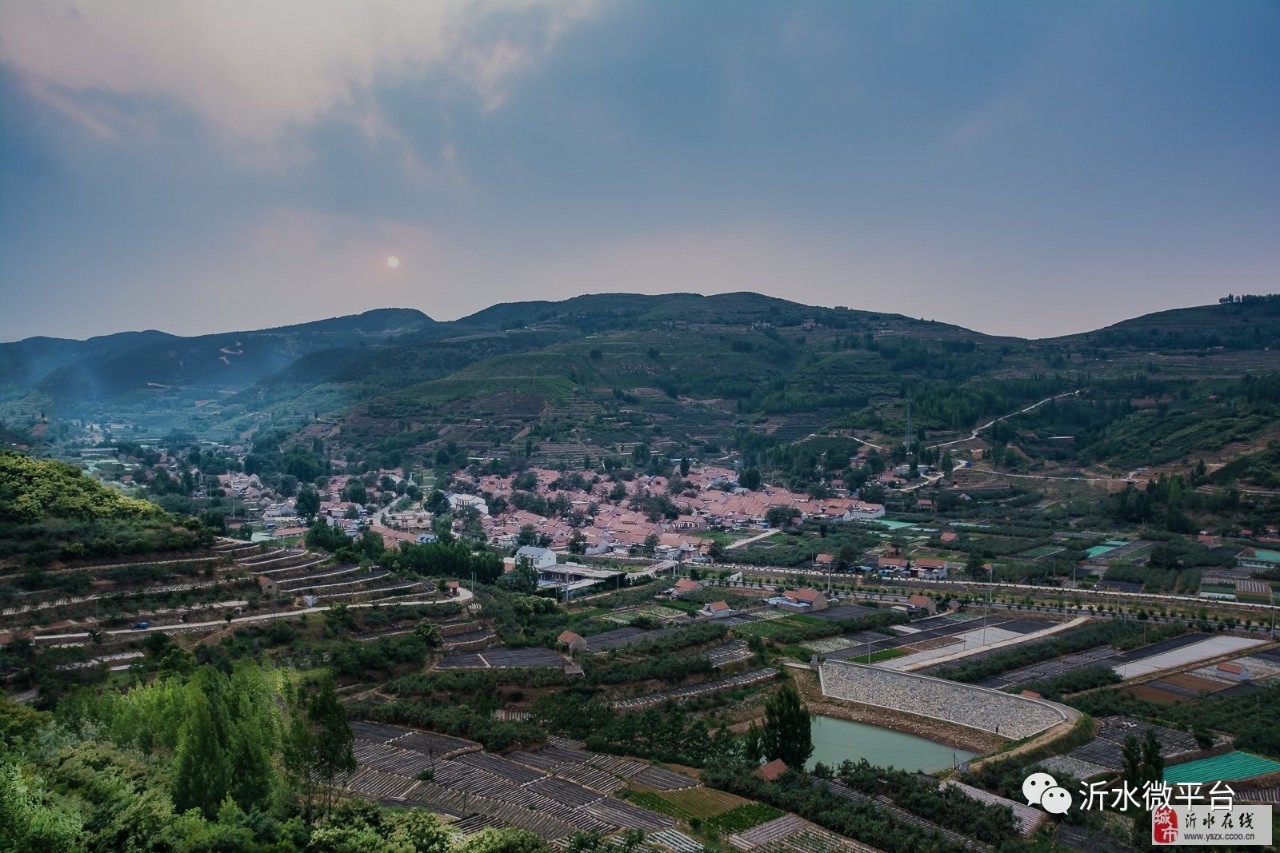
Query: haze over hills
x=581 y=376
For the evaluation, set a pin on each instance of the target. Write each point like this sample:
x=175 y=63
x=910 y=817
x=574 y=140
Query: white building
x=539 y=558
x=459 y=501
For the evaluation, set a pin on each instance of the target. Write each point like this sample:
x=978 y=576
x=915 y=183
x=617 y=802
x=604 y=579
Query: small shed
x=771 y=771
x=1234 y=671
x=716 y=610
x=923 y=602
x=574 y=642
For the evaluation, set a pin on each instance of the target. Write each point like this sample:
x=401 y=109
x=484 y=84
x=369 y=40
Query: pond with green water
x=836 y=740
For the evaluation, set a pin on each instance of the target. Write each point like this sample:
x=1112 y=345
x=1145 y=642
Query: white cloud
x=256 y=69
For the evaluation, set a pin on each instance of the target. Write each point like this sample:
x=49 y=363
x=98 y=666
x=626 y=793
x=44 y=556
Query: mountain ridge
x=614 y=370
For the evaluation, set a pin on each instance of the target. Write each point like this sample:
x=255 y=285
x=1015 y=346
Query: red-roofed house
x=892 y=563
x=923 y=602
x=771 y=771
x=930 y=567
x=574 y=642
x=684 y=586
x=824 y=561
x=804 y=600
x=716 y=610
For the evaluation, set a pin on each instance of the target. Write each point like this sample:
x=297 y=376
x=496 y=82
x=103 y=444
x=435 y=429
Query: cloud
x=256 y=70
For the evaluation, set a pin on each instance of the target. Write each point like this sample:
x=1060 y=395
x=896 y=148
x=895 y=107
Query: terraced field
x=553 y=792
x=689 y=803
x=707 y=687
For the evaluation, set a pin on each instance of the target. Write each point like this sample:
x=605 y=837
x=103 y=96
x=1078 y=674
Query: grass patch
x=701 y=803
x=685 y=606
x=653 y=802
x=798 y=653
x=765 y=627
x=804 y=619
x=743 y=818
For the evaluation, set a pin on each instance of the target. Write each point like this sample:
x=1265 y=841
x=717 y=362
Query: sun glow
x=393 y=262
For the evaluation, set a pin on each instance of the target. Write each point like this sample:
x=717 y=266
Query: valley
x=563 y=565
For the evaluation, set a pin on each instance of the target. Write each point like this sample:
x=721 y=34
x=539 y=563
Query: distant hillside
x=1251 y=324
x=596 y=374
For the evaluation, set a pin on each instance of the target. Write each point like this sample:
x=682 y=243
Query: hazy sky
x=1017 y=168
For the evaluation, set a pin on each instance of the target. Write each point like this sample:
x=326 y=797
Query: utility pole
x=991 y=590
x=909 y=436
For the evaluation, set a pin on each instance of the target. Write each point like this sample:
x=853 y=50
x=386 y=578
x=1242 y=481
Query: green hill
x=40 y=489
x=50 y=510
x=597 y=373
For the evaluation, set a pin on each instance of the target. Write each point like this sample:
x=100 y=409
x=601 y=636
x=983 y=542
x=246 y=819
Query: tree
x=1143 y=766
x=370 y=544
x=437 y=502
x=202 y=771
x=684 y=467
x=308 y=503
x=650 y=544
x=780 y=516
x=255 y=736
x=749 y=478
x=715 y=550
x=29 y=818
x=974 y=565
x=846 y=556
x=354 y=491
x=577 y=543
x=429 y=633
x=786 y=733
x=319 y=740
x=504 y=841
x=948 y=462
x=523 y=578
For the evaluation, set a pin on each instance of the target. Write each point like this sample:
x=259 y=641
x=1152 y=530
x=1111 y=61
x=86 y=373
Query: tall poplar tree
x=255 y=738
x=319 y=743
x=786 y=733
x=202 y=775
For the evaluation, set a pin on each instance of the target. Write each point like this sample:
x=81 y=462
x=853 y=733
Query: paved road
x=995 y=421
x=742 y=543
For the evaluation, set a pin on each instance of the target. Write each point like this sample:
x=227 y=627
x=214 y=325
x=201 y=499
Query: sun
x=393 y=262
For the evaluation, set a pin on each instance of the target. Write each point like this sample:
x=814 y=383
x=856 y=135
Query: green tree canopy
x=786 y=733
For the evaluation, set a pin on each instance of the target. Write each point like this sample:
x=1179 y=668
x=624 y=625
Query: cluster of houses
x=916 y=567
x=710 y=498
